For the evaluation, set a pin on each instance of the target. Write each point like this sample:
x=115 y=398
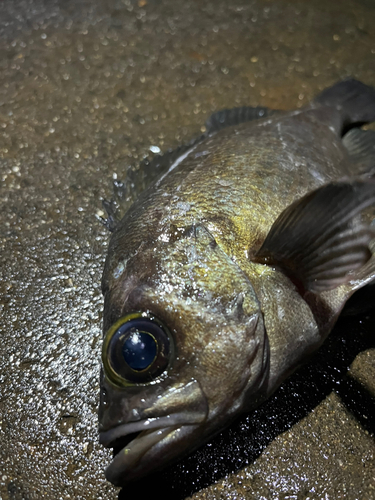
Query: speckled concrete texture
x=87 y=89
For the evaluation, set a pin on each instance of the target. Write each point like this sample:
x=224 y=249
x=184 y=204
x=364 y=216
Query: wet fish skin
x=189 y=253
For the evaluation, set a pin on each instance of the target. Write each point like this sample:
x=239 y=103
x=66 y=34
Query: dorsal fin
x=151 y=169
x=112 y=220
x=354 y=100
x=227 y=117
x=138 y=179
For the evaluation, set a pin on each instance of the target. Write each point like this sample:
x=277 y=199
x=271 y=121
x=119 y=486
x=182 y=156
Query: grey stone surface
x=86 y=89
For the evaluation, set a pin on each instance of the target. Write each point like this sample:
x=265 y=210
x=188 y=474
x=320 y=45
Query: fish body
x=231 y=268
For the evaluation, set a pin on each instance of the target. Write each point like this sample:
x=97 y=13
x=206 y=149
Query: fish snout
x=148 y=425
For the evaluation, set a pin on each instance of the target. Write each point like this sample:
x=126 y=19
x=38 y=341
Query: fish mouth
x=137 y=446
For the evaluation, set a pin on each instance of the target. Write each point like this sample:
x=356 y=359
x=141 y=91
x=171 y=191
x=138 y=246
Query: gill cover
x=136 y=349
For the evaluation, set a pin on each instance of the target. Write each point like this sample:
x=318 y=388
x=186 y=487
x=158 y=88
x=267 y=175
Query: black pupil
x=139 y=350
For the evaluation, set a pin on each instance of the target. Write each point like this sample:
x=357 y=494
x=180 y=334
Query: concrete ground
x=86 y=89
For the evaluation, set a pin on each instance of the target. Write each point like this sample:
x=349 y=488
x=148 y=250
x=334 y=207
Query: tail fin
x=354 y=99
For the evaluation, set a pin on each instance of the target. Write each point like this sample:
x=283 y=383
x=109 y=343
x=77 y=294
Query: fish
x=230 y=269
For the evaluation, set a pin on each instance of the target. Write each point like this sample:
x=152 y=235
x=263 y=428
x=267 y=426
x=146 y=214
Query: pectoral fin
x=360 y=145
x=318 y=240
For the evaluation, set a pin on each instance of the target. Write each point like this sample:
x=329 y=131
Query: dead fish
x=230 y=269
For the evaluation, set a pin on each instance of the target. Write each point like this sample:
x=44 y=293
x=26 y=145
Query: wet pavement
x=86 y=89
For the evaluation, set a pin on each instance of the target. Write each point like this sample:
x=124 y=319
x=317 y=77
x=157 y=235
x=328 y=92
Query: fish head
x=184 y=346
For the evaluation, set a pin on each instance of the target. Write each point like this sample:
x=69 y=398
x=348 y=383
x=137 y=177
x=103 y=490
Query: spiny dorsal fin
x=112 y=220
x=315 y=240
x=235 y=116
x=217 y=121
x=150 y=170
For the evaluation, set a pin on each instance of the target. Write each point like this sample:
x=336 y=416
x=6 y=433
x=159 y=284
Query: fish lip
x=106 y=438
x=126 y=465
x=150 y=432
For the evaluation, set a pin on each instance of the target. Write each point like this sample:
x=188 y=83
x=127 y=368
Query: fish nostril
x=103 y=396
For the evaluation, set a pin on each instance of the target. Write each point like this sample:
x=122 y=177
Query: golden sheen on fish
x=229 y=269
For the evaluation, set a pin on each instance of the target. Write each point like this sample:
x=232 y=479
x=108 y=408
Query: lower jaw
x=127 y=464
x=121 y=443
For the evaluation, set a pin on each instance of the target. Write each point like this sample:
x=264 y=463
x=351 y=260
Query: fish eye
x=136 y=349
